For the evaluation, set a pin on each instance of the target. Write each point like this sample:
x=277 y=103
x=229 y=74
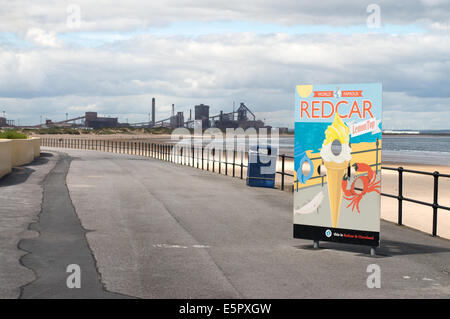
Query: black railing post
x=214 y=158
x=198 y=158
x=203 y=149
x=220 y=159
x=234 y=161
x=226 y=163
x=242 y=165
x=283 y=157
x=400 y=196
x=435 y=202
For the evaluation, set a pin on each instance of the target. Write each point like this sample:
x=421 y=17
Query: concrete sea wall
x=17 y=153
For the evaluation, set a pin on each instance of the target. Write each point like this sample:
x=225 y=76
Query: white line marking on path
x=179 y=246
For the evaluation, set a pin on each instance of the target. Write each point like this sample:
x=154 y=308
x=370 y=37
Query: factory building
x=94 y=121
x=5 y=122
x=245 y=119
x=177 y=120
x=202 y=113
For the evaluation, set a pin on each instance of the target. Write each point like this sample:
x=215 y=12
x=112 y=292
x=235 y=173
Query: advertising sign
x=338 y=163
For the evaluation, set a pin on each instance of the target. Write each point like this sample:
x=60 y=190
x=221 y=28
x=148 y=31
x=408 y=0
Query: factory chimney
x=173 y=109
x=153 y=110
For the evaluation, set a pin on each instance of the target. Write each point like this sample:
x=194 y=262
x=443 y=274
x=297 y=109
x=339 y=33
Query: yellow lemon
x=304 y=90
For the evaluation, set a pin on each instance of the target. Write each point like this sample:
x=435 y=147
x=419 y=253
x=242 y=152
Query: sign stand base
x=316 y=244
x=373 y=251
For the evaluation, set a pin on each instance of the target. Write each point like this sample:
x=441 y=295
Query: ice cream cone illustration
x=335 y=172
x=336 y=154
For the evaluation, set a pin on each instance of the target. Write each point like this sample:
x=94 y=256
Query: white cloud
x=43 y=38
x=261 y=70
x=119 y=78
x=52 y=15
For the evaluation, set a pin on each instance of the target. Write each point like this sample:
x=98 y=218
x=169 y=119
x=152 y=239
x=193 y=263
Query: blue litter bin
x=262 y=165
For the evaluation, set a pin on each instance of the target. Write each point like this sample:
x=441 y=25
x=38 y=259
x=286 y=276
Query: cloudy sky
x=112 y=57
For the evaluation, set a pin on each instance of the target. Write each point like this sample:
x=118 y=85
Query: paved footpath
x=140 y=227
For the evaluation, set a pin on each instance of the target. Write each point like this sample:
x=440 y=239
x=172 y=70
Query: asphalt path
x=164 y=230
x=146 y=228
x=60 y=245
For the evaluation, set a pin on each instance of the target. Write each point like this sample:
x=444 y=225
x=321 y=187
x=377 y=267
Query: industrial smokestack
x=190 y=114
x=153 y=110
x=173 y=109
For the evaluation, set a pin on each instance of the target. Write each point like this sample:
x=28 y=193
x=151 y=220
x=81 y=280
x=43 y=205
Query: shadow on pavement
x=20 y=174
x=42 y=159
x=388 y=248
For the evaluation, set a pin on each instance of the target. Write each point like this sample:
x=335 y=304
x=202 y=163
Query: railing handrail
x=168 y=152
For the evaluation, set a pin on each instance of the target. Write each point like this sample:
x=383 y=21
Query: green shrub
x=13 y=135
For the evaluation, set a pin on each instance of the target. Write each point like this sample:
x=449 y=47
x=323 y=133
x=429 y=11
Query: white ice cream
x=328 y=156
x=338 y=133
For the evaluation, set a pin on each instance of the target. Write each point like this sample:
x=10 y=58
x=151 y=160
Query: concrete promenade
x=140 y=227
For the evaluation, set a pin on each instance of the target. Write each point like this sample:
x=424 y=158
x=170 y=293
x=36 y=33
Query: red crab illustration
x=369 y=185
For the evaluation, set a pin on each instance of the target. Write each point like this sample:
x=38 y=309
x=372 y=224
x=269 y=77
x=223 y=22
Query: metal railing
x=435 y=204
x=216 y=160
